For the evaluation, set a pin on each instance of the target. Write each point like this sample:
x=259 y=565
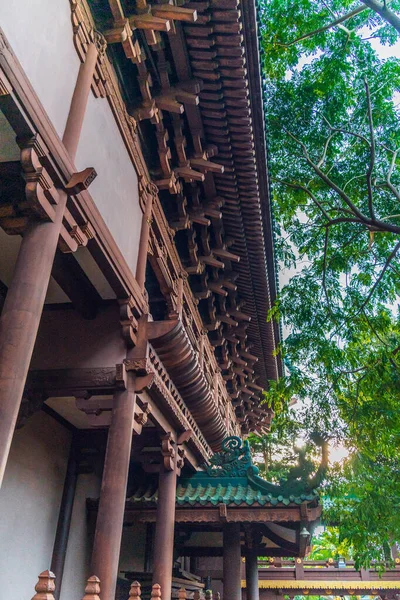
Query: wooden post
x=252 y=591
x=20 y=318
x=165 y=525
x=110 y=517
x=45 y=586
x=23 y=306
x=144 y=242
x=79 y=100
x=92 y=589
x=232 y=562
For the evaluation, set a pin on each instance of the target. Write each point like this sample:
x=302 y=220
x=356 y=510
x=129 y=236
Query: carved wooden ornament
x=92 y=589
x=45 y=586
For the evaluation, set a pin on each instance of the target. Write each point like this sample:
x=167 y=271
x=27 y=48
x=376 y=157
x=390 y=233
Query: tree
x=275 y=452
x=327 y=544
x=362 y=498
x=334 y=157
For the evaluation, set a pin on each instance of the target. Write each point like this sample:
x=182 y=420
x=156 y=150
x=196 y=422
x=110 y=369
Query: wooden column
x=79 y=100
x=165 y=525
x=20 y=319
x=23 y=306
x=64 y=519
x=232 y=564
x=252 y=591
x=110 y=517
x=144 y=241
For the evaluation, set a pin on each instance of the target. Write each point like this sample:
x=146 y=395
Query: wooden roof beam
x=149 y=22
x=175 y=13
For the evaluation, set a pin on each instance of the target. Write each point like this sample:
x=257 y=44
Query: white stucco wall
x=40 y=33
x=77 y=561
x=29 y=503
x=115 y=189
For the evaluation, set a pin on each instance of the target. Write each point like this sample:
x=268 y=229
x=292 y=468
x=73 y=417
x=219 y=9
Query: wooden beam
x=72 y=279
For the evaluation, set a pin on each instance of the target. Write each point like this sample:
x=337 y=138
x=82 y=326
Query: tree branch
x=343 y=220
x=326 y=240
x=329 y=182
x=298 y=186
x=371 y=153
x=334 y=23
x=389 y=184
x=322 y=159
x=367 y=221
x=379 y=279
x=382 y=10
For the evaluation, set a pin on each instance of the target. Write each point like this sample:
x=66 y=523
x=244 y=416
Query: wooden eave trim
x=250 y=31
x=202 y=514
x=243 y=512
x=240 y=185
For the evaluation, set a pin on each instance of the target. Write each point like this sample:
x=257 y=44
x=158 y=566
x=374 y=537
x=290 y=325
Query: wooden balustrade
x=46 y=586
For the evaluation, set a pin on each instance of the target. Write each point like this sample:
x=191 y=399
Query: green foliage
x=334 y=148
x=328 y=544
x=362 y=497
x=275 y=452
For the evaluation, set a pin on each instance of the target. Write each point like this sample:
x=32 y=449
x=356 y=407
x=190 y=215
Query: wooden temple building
x=136 y=272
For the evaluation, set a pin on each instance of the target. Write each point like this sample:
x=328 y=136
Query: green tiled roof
x=230 y=491
x=230 y=479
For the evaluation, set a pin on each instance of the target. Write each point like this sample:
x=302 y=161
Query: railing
x=277 y=573
x=330 y=564
x=46 y=587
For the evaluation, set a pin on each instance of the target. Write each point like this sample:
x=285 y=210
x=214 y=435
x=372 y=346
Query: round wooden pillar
x=252 y=591
x=110 y=517
x=164 y=535
x=144 y=243
x=20 y=318
x=79 y=100
x=232 y=564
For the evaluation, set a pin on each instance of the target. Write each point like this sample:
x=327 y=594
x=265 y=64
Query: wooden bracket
x=80 y=181
x=144 y=383
x=184 y=437
x=168 y=452
x=223 y=512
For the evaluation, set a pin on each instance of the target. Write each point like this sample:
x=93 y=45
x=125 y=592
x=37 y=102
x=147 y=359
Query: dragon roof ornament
x=235 y=460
